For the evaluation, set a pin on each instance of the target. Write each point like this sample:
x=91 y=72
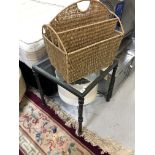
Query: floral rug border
x=88 y=138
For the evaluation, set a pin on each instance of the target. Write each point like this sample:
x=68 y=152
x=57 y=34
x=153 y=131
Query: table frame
x=37 y=70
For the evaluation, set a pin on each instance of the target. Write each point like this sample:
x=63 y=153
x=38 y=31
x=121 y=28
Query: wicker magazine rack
x=82 y=42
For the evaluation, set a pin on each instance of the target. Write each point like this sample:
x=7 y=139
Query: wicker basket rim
x=64 y=49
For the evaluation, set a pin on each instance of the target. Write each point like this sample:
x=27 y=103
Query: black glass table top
x=45 y=68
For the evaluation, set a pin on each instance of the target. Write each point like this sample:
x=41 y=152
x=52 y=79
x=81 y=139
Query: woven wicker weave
x=79 y=43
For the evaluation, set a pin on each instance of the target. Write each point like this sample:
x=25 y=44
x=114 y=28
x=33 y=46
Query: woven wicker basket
x=79 y=43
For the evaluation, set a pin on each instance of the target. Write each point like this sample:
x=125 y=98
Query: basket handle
x=52 y=32
x=82 y=2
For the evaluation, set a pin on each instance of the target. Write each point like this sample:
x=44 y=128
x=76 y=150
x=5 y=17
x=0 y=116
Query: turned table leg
x=39 y=86
x=80 y=115
x=111 y=85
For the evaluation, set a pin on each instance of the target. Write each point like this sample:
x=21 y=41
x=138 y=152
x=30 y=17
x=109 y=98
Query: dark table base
x=38 y=70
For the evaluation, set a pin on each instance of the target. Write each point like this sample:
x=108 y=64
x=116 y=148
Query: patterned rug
x=47 y=130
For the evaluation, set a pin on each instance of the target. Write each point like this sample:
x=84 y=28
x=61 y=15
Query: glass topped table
x=46 y=69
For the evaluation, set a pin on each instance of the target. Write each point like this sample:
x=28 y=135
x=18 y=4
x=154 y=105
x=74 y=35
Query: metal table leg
x=39 y=86
x=80 y=113
x=111 y=85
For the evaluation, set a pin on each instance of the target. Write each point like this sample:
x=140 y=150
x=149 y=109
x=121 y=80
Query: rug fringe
x=109 y=145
